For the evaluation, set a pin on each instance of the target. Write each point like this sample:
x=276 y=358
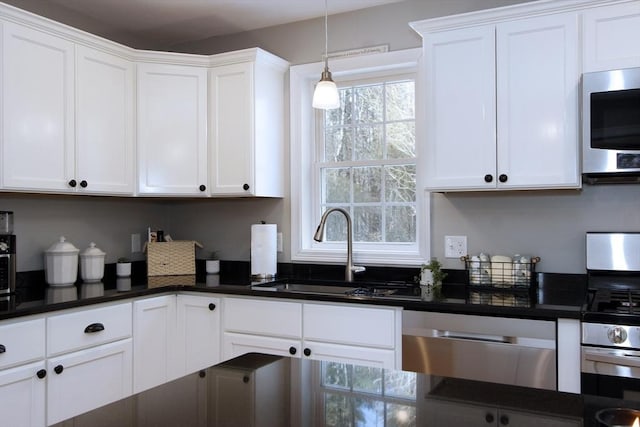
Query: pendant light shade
x=326 y=95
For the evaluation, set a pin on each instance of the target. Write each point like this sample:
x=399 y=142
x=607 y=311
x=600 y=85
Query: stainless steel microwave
x=611 y=126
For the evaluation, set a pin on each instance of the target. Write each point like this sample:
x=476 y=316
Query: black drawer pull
x=245 y=187
x=72 y=183
x=245 y=379
x=307 y=352
x=41 y=373
x=83 y=184
x=292 y=350
x=202 y=187
x=504 y=420
x=202 y=373
x=503 y=178
x=488 y=178
x=3 y=349
x=58 y=369
x=93 y=328
x=212 y=306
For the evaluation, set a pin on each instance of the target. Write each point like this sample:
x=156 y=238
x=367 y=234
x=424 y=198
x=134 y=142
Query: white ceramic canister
x=92 y=264
x=61 y=263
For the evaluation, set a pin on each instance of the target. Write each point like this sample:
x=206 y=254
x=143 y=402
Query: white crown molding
x=500 y=14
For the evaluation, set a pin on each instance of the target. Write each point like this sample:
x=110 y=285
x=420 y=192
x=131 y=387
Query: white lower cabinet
x=198 y=332
x=87 y=379
x=154 y=333
x=337 y=332
x=22 y=395
x=174 y=335
x=89 y=359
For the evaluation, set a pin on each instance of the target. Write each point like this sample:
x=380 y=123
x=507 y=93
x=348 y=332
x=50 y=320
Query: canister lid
x=92 y=251
x=62 y=247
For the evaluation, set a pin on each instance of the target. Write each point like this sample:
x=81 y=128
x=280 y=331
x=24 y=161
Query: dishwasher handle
x=474 y=337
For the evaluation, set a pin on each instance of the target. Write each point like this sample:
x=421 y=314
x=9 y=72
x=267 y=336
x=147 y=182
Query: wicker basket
x=175 y=258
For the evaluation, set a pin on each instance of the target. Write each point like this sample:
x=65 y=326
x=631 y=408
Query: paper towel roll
x=264 y=246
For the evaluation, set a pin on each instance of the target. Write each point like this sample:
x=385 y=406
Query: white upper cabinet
x=67 y=115
x=502 y=104
x=538 y=91
x=104 y=122
x=37 y=110
x=611 y=35
x=246 y=101
x=172 y=129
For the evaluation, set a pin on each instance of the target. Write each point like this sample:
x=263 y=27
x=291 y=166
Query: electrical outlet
x=455 y=246
x=135 y=243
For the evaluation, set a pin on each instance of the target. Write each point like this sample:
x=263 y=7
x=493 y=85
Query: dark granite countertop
x=306 y=392
x=556 y=295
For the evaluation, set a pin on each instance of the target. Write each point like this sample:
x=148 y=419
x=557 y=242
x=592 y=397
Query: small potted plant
x=431 y=277
x=123 y=267
x=212 y=263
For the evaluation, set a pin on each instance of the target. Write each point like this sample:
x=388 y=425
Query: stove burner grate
x=625 y=301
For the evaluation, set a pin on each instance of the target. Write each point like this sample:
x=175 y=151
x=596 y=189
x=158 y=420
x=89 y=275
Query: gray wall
x=550 y=224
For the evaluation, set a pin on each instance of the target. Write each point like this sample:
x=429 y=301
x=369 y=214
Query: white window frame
x=304 y=213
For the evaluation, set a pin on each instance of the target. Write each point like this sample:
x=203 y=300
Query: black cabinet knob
x=202 y=187
x=245 y=379
x=488 y=178
x=504 y=420
x=93 y=328
x=503 y=178
x=83 y=184
x=307 y=352
x=489 y=418
x=41 y=373
x=2 y=348
x=58 y=369
x=245 y=187
x=212 y=306
x=73 y=183
x=202 y=373
x=292 y=350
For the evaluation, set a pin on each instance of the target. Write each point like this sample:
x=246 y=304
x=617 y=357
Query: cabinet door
x=22 y=395
x=610 y=35
x=362 y=356
x=87 y=379
x=104 y=122
x=23 y=341
x=233 y=397
x=538 y=80
x=154 y=335
x=234 y=344
x=172 y=131
x=198 y=332
x=37 y=108
x=263 y=317
x=232 y=129
x=460 y=110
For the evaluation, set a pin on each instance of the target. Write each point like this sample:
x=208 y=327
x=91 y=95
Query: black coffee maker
x=7 y=254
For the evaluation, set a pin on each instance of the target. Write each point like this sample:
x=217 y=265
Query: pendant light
x=326 y=96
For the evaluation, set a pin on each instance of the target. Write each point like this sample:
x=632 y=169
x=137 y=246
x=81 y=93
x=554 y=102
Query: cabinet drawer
x=263 y=317
x=87 y=328
x=22 y=342
x=361 y=326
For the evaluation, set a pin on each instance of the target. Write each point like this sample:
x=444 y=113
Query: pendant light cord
x=326 y=34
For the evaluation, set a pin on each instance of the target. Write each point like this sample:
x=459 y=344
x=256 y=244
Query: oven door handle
x=620 y=358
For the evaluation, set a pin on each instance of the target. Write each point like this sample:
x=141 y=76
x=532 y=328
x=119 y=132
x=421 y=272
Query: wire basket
x=512 y=298
x=502 y=272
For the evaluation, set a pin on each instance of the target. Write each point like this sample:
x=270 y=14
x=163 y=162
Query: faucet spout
x=319 y=235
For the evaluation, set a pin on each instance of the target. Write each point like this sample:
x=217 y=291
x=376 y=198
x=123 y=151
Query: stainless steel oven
x=611 y=323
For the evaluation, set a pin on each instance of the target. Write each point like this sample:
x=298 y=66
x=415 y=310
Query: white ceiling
x=168 y=22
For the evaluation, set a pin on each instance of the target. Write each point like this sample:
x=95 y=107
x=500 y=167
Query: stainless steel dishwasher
x=501 y=350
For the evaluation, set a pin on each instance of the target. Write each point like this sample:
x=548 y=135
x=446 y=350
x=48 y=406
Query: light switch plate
x=455 y=246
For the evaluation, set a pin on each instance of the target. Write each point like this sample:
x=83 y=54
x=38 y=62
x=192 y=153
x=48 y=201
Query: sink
x=340 y=288
x=305 y=288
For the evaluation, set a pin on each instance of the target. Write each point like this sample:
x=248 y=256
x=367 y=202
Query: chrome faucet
x=318 y=236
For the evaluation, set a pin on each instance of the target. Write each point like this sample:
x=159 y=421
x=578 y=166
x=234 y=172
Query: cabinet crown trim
x=507 y=13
